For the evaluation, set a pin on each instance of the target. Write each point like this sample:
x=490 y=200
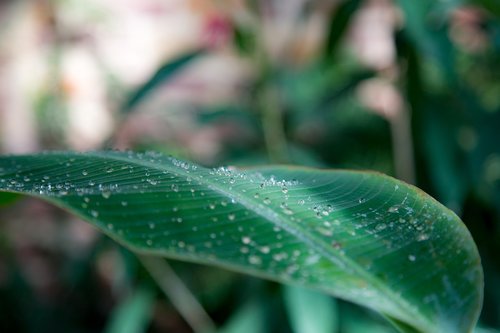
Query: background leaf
x=320 y=318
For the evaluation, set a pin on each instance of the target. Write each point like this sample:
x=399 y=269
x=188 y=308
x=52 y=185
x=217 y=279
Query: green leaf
x=160 y=77
x=134 y=314
x=360 y=236
x=7 y=198
x=338 y=24
x=310 y=311
x=249 y=319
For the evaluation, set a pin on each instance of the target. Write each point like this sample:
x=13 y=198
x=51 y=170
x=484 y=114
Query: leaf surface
x=360 y=236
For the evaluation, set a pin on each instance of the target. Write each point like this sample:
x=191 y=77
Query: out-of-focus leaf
x=428 y=31
x=338 y=24
x=7 y=198
x=361 y=236
x=310 y=311
x=244 y=39
x=485 y=330
x=249 y=319
x=491 y=5
x=446 y=164
x=134 y=314
x=160 y=77
x=354 y=320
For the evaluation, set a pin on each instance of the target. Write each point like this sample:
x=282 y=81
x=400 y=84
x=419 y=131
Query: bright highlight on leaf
x=360 y=236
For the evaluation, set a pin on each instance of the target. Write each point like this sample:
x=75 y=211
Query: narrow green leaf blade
x=361 y=236
x=310 y=311
x=161 y=76
x=134 y=314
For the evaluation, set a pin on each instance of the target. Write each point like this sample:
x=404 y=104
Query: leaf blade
x=360 y=236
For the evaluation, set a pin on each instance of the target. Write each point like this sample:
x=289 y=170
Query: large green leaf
x=360 y=236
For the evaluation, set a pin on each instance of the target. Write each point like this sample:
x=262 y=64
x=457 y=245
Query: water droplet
x=211 y=206
x=231 y=180
x=109 y=170
x=175 y=188
x=149 y=242
x=85 y=172
x=152 y=225
x=231 y=217
x=422 y=237
x=246 y=240
x=284 y=189
x=287 y=210
x=264 y=249
x=256 y=195
x=411 y=257
x=336 y=245
x=324 y=231
x=106 y=194
x=255 y=260
x=110 y=226
x=267 y=201
x=301 y=202
x=124 y=203
x=381 y=226
x=223 y=203
x=393 y=209
x=152 y=181
x=179 y=220
x=280 y=256
x=94 y=213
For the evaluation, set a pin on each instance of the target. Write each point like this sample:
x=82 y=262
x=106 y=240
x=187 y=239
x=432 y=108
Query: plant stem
x=402 y=144
x=177 y=292
x=272 y=123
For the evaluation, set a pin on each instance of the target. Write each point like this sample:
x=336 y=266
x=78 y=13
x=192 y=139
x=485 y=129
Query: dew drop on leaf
x=246 y=240
x=393 y=209
x=422 y=237
x=255 y=260
x=264 y=249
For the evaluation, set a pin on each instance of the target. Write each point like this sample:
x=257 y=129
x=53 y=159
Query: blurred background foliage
x=408 y=88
